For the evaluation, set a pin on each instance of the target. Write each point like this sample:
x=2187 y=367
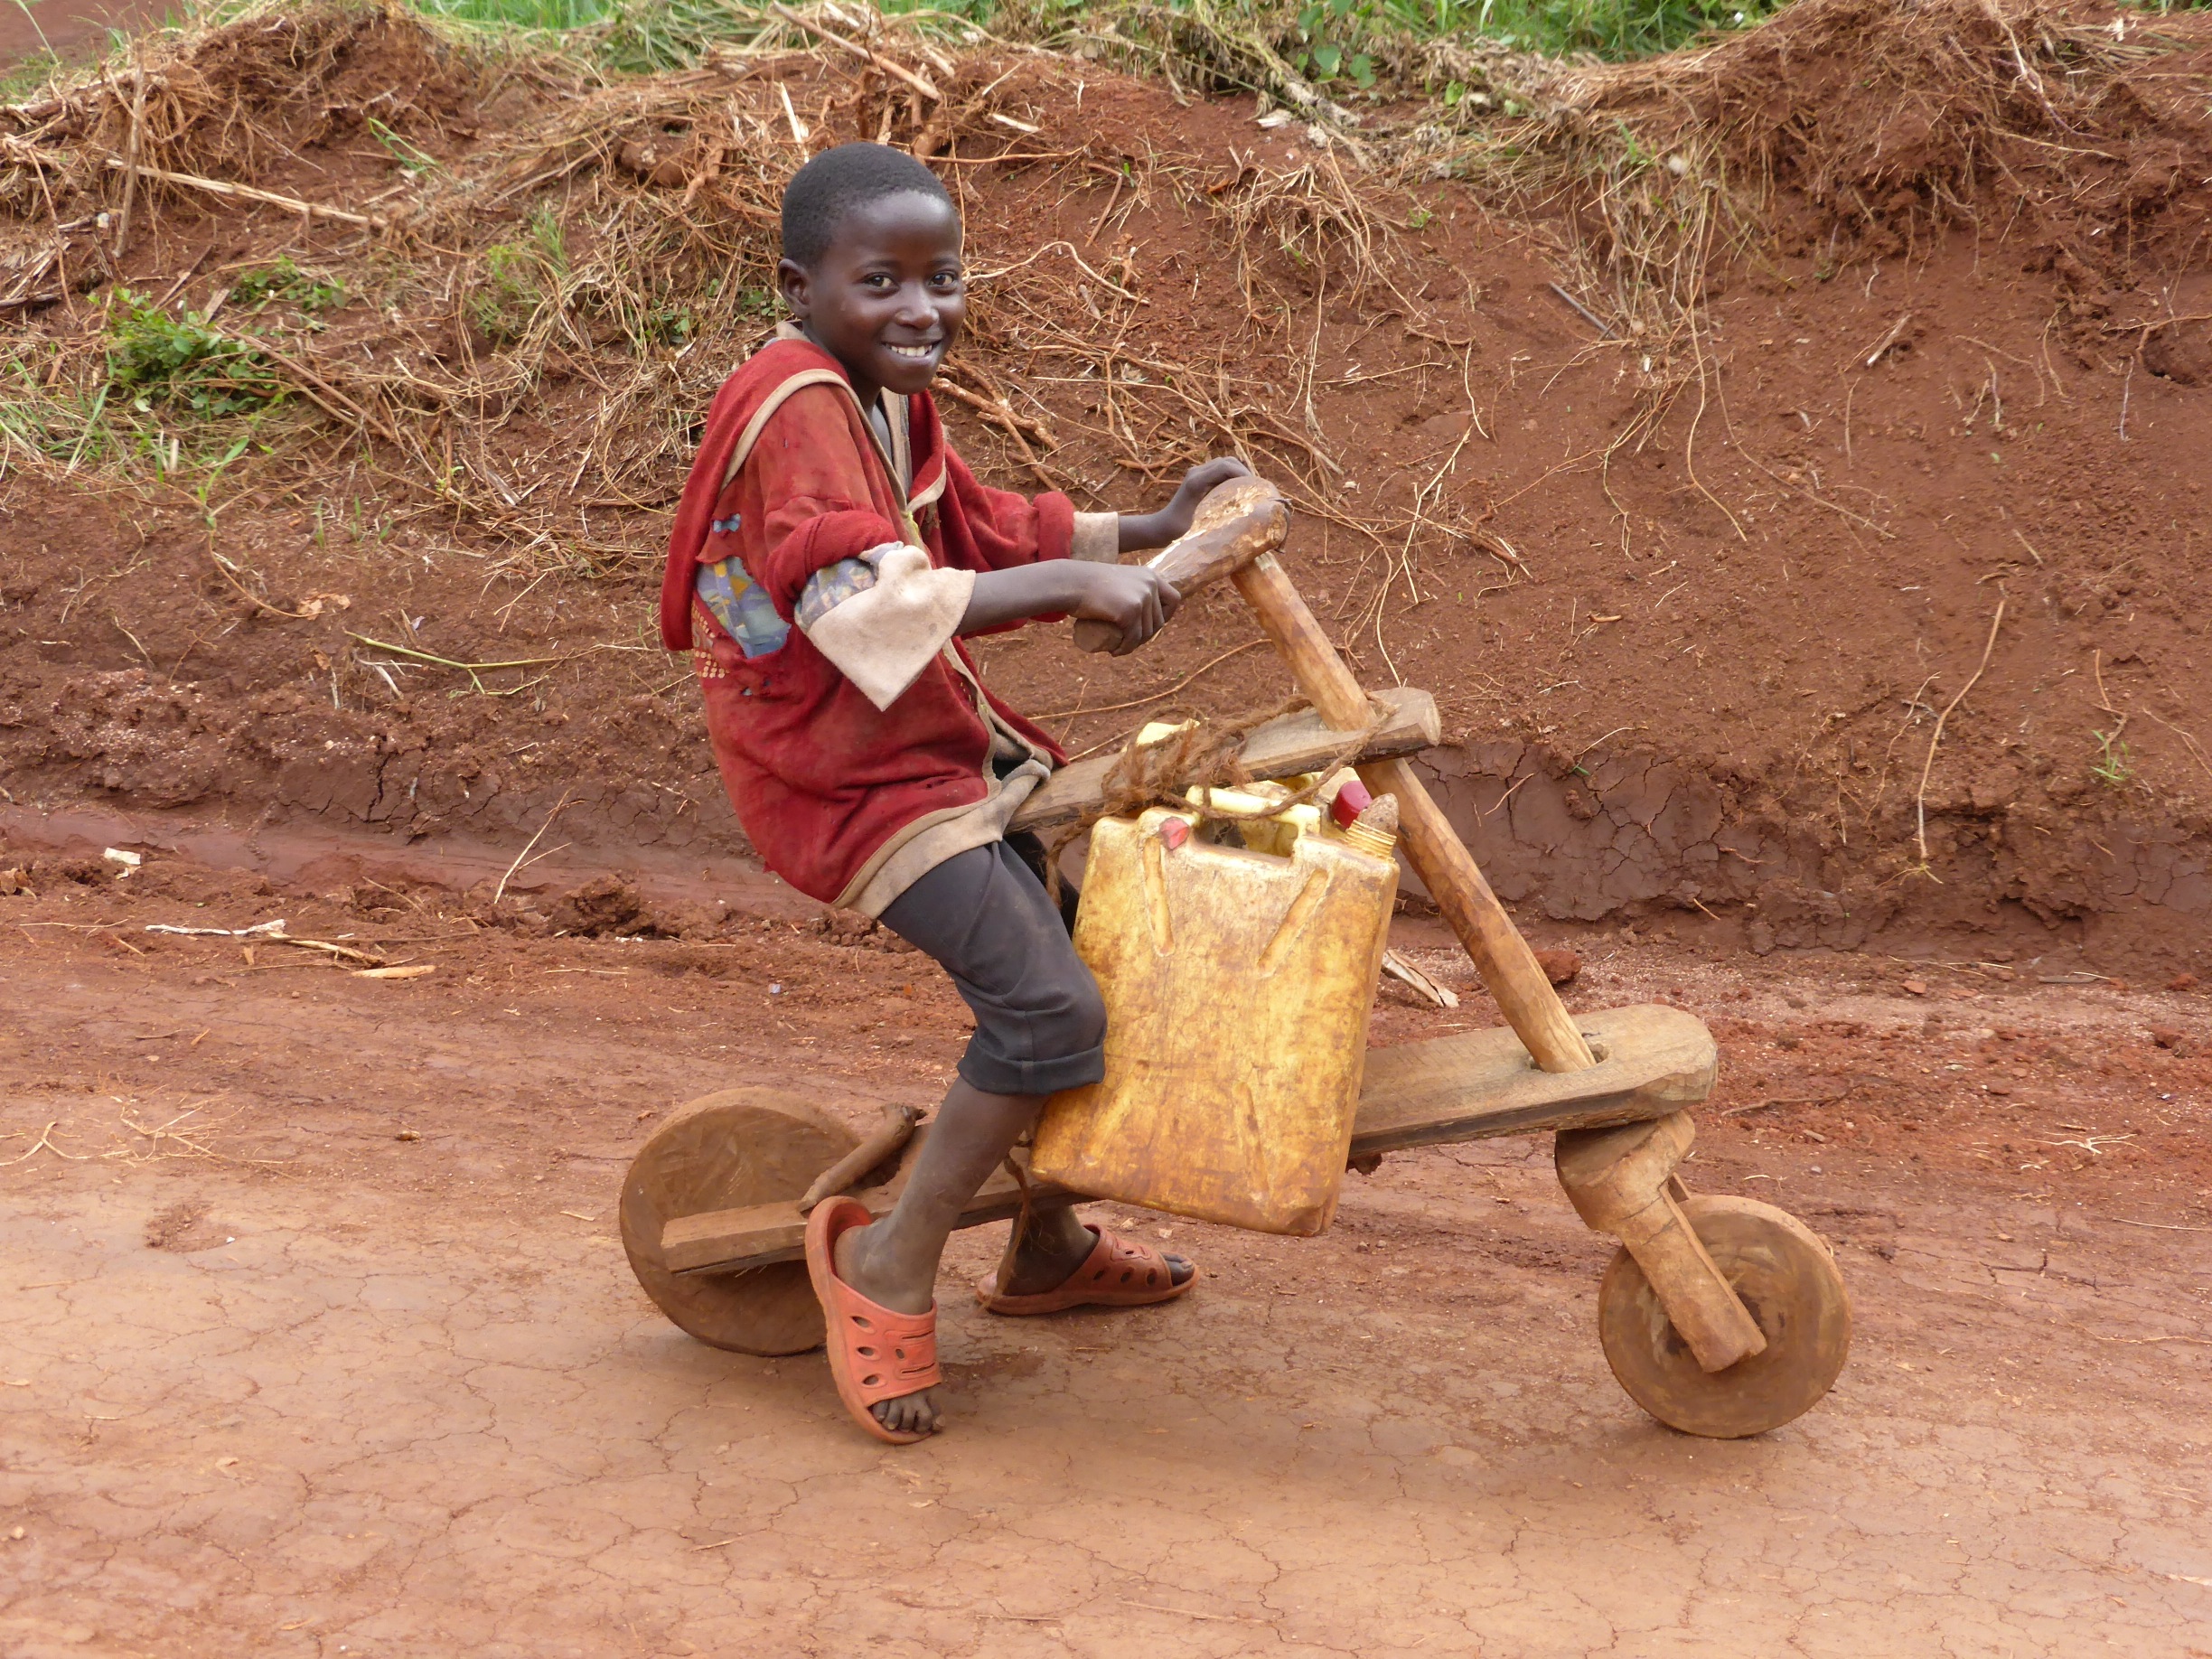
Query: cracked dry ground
x=278 y=1381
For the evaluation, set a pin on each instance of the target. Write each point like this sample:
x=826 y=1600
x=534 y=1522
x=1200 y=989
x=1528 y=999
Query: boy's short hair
x=831 y=185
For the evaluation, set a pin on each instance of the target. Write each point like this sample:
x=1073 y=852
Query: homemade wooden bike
x=1719 y=1316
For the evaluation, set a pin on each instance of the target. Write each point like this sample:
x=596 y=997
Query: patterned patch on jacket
x=738 y=604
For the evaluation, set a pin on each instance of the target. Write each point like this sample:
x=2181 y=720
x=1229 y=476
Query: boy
x=828 y=555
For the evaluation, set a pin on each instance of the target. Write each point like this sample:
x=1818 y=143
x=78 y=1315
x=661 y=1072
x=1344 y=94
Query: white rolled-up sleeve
x=1098 y=537
x=884 y=635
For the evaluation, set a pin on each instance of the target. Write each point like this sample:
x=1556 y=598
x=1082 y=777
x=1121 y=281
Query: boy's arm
x=874 y=605
x=1134 y=600
x=1045 y=560
x=1137 y=532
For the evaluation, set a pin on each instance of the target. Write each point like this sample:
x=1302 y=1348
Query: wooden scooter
x=1720 y=1316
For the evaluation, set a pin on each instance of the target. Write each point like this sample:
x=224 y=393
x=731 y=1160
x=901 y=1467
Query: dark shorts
x=984 y=917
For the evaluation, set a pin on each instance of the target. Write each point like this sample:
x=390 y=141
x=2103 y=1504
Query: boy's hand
x=1171 y=523
x=1129 y=598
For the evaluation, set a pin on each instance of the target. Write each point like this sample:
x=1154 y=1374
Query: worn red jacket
x=825 y=784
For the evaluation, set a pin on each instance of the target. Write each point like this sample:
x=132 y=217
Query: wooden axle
x=1652 y=1062
x=1621 y=1181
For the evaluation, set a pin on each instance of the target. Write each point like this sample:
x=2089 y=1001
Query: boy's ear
x=793 y=280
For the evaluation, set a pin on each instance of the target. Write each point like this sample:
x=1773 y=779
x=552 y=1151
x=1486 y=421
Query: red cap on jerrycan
x=1173 y=832
x=1352 y=800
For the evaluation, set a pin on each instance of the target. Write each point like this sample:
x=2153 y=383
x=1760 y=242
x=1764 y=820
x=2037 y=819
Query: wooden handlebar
x=1236 y=523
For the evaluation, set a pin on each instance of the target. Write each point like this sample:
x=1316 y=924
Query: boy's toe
x=1179 y=1269
x=908 y=1414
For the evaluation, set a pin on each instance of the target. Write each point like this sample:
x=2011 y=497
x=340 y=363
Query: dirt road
x=319 y=1341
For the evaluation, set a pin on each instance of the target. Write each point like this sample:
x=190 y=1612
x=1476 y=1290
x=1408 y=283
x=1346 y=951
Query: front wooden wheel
x=723 y=1152
x=1786 y=1278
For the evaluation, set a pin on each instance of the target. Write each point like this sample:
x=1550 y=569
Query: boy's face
x=886 y=297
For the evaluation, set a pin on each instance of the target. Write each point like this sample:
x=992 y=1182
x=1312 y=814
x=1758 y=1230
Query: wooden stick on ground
x=246 y=192
x=920 y=83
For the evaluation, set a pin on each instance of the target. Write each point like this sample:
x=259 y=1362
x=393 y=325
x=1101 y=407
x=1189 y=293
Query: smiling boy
x=829 y=555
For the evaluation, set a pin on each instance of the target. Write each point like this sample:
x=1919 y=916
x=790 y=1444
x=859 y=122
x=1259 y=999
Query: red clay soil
x=319 y=1341
x=1694 y=680
x=68 y=28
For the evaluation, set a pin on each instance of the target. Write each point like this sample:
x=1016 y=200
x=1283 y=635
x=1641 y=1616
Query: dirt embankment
x=1698 y=603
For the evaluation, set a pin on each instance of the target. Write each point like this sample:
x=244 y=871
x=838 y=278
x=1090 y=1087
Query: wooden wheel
x=722 y=1152
x=1786 y=1278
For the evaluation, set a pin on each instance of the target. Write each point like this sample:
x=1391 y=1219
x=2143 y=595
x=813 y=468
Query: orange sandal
x=1118 y=1272
x=875 y=1354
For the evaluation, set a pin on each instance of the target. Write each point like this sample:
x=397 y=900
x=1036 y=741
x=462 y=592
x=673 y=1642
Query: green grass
x=26 y=75
x=285 y=281
x=2114 y=766
x=536 y=15
x=1342 y=44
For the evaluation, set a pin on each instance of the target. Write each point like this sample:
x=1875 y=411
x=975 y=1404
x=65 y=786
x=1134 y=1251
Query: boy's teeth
x=914 y=350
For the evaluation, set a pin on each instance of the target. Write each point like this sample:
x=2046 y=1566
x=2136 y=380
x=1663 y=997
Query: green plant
x=411 y=160
x=549 y=241
x=27 y=75
x=503 y=304
x=665 y=322
x=518 y=276
x=2114 y=765
x=1356 y=44
x=547 y=16
x=183 y=364
x=1322 y=58
x=285 y=281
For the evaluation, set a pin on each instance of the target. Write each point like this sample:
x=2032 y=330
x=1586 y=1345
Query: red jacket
x=826 y=785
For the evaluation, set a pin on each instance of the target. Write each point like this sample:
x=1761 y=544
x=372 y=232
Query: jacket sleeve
x=810 y=483
x=1005 y=529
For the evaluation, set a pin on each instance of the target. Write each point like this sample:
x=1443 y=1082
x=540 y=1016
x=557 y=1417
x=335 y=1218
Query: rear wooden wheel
x=723 y=1152
x=1788 y=1281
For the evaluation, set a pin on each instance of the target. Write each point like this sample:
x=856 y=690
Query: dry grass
x=623 y=241
x=143 y=1132
x=1840 y=130
x=611 y=254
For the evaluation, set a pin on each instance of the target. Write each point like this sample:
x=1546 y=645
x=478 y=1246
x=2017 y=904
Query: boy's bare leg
x=894 y=1261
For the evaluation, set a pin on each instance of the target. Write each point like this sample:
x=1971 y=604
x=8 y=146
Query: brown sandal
x=1118 y=1272
x=875 y=1354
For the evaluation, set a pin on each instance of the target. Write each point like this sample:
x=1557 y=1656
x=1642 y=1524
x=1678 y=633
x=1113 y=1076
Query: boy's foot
x=866 y=1271
x=883 y=1350
x=1057 y=1245
x=1114 y=1272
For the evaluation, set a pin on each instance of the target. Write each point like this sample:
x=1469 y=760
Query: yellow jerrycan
x=1238 y=985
